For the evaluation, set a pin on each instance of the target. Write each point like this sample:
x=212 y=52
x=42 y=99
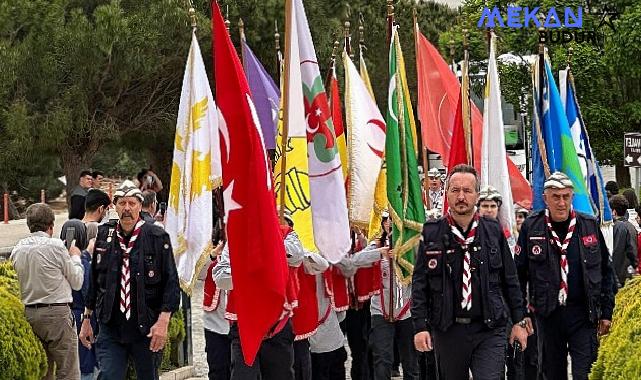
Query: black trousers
x=218 y=349
x=568 y=328
x=381 y=341
x=302 y=360
x=275 y=359
x=329 y=365
x=356 y=327
x=427 y=365
x=474 y=346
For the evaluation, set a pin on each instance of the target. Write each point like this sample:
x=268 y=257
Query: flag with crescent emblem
x=329 y=205
x=258 y=261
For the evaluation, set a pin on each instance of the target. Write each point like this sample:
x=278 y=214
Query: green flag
x=403 y=183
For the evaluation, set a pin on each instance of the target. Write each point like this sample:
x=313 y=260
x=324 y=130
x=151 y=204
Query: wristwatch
x=84 y=316
x=523 y=323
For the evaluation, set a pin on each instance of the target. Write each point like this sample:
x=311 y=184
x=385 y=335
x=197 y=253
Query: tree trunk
x=72 y=164
x=623 y=176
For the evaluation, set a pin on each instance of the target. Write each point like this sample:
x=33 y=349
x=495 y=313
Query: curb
x=181 y=373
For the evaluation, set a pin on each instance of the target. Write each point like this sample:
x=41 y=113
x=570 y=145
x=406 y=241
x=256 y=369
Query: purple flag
x=265 y=94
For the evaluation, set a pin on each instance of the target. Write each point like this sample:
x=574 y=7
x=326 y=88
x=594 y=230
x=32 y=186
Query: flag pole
x=285 y=95
x=465 y=100
x=424 y=150
x=361 y=36
x=279 y=60
x=539 y=112
x=390 y=307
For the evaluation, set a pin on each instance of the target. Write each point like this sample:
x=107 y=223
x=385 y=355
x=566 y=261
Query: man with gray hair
x=133 y=290
x=564 y=264
x=47 y=272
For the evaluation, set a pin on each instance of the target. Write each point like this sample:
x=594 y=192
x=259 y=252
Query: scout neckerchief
x=125 y=275
x=563 y=247
x=466 y=299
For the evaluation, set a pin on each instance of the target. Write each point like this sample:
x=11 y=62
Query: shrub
x=21 y=353
x=620 y=351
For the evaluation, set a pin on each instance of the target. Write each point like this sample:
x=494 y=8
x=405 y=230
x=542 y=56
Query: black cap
x=96 y=198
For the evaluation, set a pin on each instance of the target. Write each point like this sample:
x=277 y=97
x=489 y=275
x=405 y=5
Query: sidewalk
x=11 y=233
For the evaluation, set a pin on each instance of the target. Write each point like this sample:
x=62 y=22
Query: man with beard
x=463 y=277
x=134 y=289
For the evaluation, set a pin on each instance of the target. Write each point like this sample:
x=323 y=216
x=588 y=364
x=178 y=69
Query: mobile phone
x=162 y=208
x=69 y=236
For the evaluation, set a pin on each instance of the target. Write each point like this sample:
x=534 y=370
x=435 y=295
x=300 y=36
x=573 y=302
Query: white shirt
x=46 y=271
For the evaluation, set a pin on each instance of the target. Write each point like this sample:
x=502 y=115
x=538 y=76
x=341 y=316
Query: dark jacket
x=432 y=283
x=537 y=262
x=77 y=203
x=157 y=287
x=624 y=250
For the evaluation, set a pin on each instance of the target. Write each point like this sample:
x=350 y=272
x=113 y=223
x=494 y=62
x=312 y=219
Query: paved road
x=11 y=233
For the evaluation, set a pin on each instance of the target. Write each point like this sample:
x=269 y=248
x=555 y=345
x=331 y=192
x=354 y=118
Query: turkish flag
x=438 y=89
x=457 y=153
x=257 y=254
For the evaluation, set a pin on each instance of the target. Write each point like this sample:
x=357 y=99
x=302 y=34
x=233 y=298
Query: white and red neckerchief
x=466 y=284
x=563 y=289
x=125 y=275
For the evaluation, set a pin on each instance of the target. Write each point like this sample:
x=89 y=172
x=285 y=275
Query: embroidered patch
x=589 y=240
x=166 y=246
x=536 y=250
x=432 y=263
x=517 y=250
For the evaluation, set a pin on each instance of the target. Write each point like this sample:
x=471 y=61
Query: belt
x=463 y=321
x=41 y=305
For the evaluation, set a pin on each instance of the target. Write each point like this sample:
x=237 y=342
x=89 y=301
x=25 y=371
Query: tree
x=79 y=74
x=608 y=77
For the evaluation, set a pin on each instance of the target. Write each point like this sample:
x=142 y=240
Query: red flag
x=438 y=90
x=257 y=255
x=337 y=120
x=457 y=155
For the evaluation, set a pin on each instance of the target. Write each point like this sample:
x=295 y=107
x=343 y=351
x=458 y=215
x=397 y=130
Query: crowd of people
x=104 y=291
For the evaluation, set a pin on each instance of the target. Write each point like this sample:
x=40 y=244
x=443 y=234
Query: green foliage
x=175 y=335
x=620 y=351
x=21 y=353
x=607 y=77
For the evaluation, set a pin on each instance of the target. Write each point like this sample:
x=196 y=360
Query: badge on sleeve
x=432 y=263
x=536 y=250
x=517 y=250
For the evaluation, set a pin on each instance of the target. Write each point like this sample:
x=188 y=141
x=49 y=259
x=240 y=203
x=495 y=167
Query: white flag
x=493 y=157
x=327 y=187
x=196 y=170
x=366 y=134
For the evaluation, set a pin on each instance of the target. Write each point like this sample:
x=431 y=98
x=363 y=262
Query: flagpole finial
x=241 y=28
x=192 y=17
x=542 y=40
x=276 y=36
x=361 y=30
x=346 y=35
x=570 y=52
x=466 y=33
x=390 y=8
x=227 y=22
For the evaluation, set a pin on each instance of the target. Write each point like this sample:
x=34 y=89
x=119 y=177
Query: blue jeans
x=113 y=356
